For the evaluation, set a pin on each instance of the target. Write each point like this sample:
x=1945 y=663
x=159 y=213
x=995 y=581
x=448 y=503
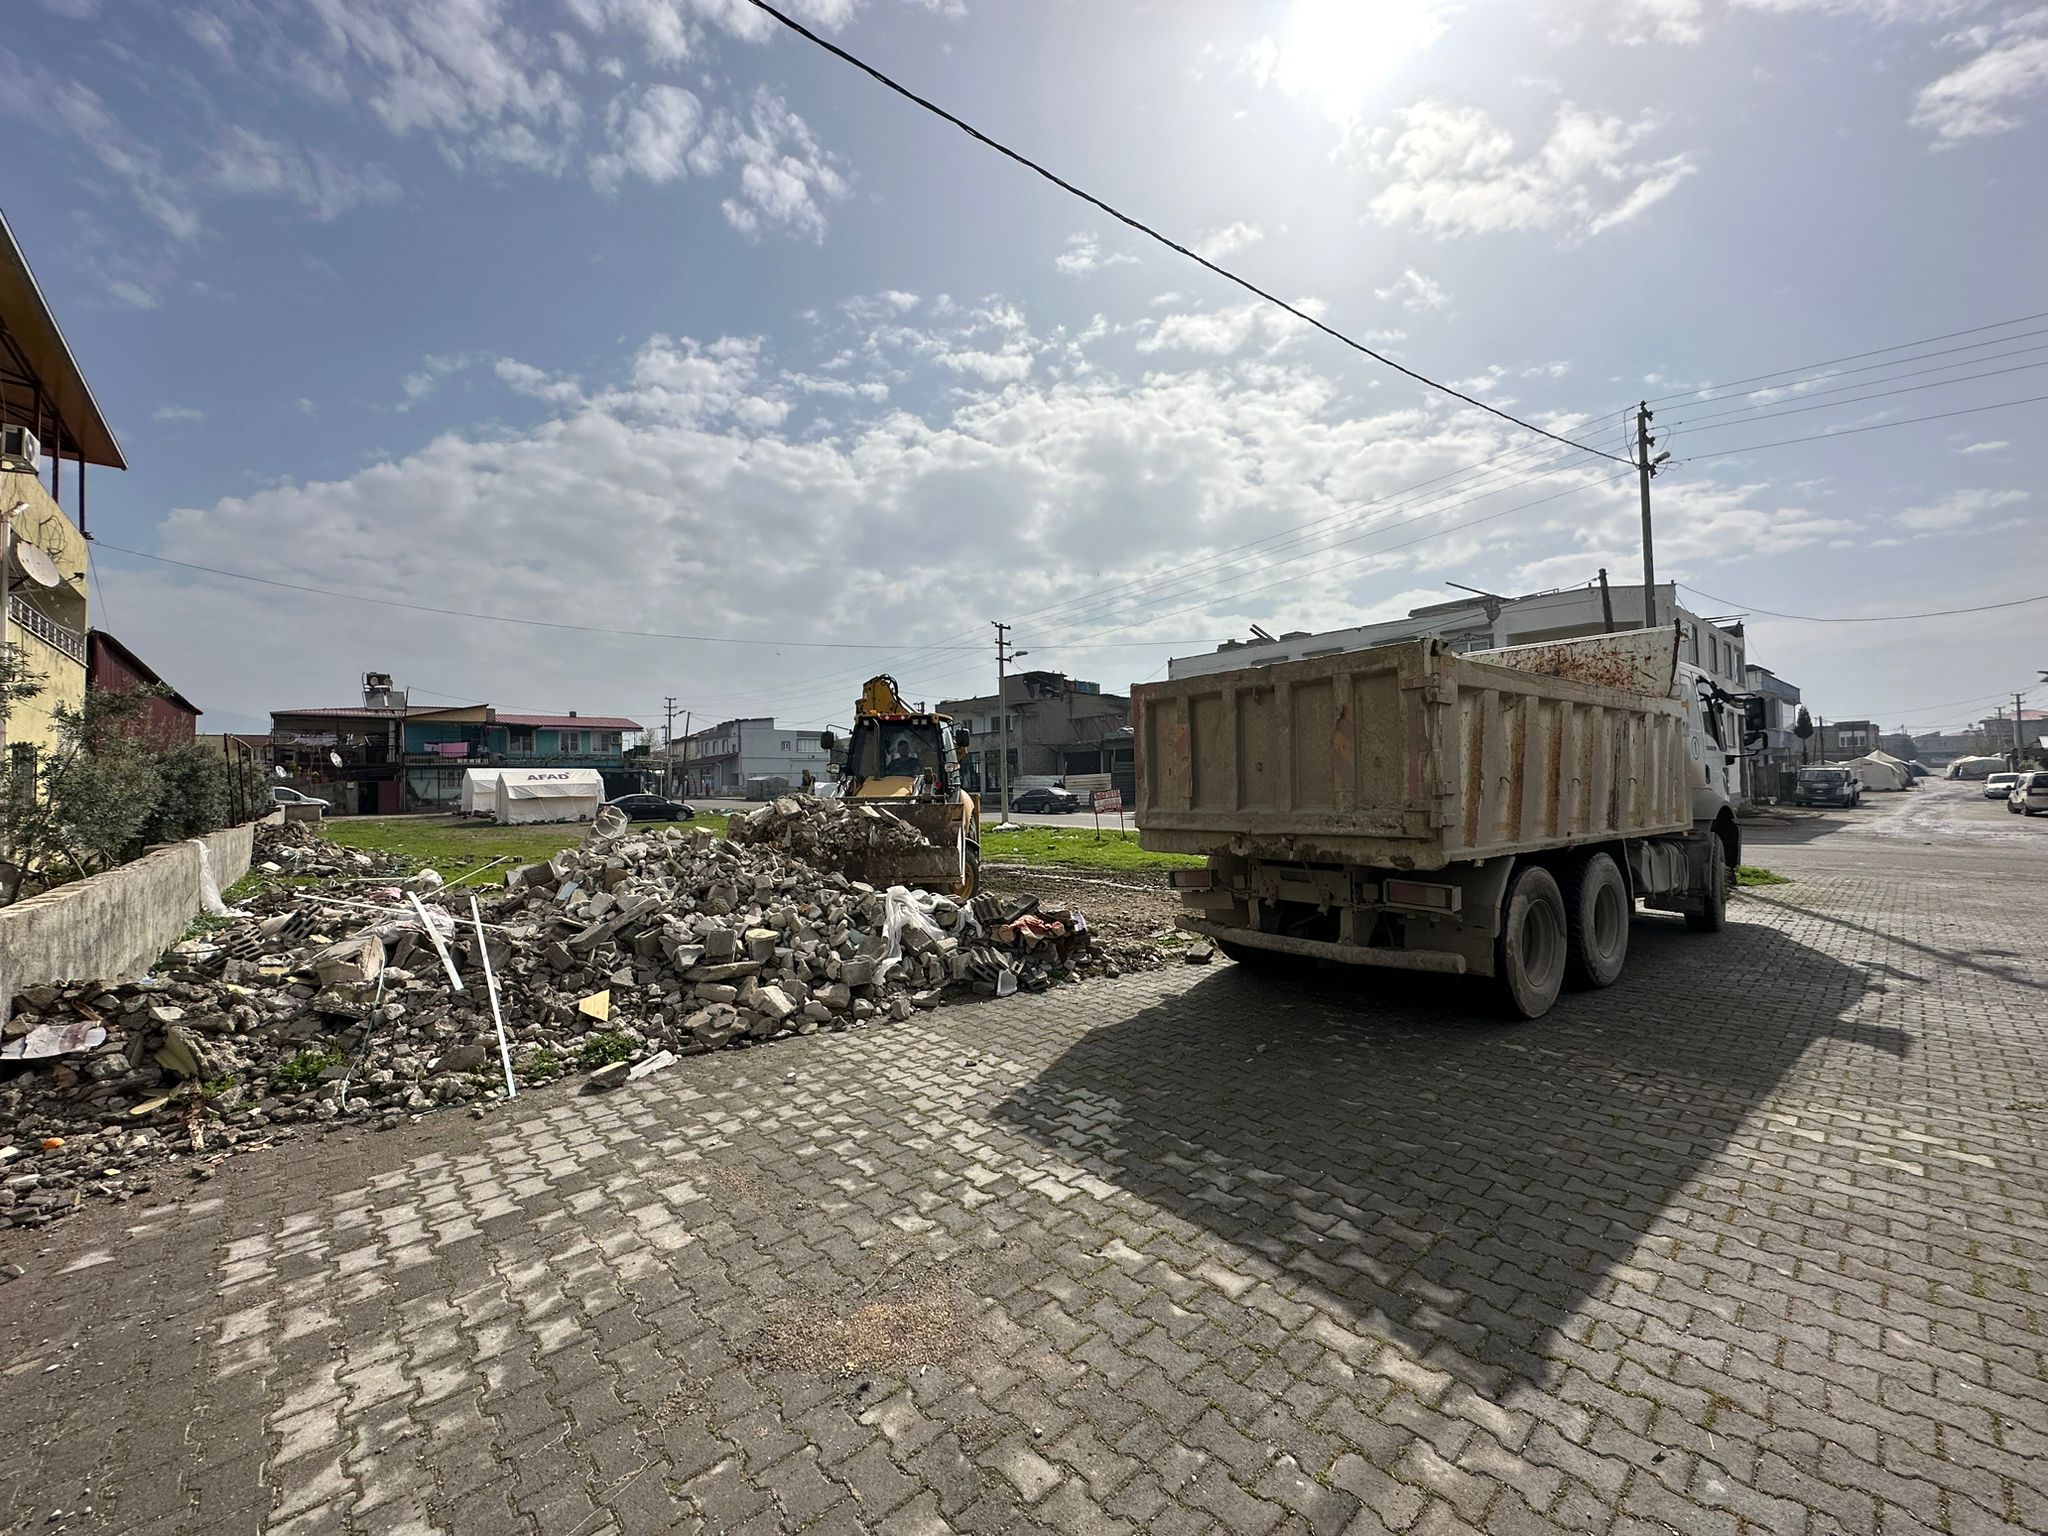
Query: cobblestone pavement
x=1750 y=1242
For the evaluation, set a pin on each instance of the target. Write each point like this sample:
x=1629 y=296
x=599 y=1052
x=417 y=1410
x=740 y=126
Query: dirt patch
x=922 y=1322
x=1132 y=906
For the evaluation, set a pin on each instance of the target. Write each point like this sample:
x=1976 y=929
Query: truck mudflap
x=1318 y=949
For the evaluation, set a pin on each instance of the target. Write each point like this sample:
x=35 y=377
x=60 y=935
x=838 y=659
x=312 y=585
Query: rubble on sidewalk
x=334 y=1005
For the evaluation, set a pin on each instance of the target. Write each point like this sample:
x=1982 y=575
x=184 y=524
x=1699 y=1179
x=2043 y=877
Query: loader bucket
x=941 y=867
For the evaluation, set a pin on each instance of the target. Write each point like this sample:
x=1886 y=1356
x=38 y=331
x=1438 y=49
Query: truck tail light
x=1191 y=879
x=1417 y=893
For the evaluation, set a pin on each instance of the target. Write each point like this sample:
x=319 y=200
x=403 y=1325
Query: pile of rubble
x=824 y=832
x=297 y=848
x=374 y=1004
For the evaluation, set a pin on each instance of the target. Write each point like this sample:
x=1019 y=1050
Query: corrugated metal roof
x=573 y=722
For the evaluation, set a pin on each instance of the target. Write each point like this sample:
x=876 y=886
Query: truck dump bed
x=1410 y=756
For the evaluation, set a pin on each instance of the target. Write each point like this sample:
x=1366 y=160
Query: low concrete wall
x=113 y=926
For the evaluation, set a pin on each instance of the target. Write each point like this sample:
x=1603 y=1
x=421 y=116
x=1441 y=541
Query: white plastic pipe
x=483 y=947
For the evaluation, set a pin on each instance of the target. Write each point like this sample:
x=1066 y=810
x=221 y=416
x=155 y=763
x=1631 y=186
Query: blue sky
x=642 y=314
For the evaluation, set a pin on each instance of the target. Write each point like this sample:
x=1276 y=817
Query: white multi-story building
x=720 y=759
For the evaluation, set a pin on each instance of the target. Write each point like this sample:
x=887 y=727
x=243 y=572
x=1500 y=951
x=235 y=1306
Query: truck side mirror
x=827 y=741
x=962 y=736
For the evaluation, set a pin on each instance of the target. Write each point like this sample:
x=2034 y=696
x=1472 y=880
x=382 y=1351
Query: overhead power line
x=1975 y=330
x=1863 y=618
x=1152 y=234
x=1876 y=426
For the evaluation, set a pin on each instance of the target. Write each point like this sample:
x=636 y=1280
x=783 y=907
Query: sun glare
x=1337 y=51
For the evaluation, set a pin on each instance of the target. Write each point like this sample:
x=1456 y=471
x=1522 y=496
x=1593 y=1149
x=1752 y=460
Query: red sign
x=1108 y=800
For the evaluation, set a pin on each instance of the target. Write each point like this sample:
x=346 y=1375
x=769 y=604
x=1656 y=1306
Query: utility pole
x=1606 y=602
x=668 y=745
x=1003 y=716
x=2016 y=746
x=1645 y=469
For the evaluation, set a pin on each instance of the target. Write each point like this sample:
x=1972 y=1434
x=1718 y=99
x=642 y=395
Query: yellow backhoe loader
x=907 y=762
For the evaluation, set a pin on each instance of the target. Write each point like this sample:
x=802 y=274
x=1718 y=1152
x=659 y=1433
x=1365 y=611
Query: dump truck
x=1495 y=814
x=906 y=762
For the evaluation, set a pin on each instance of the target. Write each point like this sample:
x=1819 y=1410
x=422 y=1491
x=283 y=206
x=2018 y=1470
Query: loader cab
x=893 y=757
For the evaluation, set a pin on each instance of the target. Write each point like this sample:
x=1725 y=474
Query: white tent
x=1879 y=771
x=480 y=790
x=1975 y=767
x=547 y=794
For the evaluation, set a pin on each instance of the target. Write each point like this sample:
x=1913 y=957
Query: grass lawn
x=1077 y=848
x=451 y=843
x=1750 y=874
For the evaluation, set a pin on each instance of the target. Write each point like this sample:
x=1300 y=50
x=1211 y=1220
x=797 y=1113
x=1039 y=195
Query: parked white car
x=1999 y=785
x=281 y=794
x=2029 y=796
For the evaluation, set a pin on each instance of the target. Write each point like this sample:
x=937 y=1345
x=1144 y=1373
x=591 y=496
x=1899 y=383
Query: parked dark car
x=1045 y=802
x=1826 y=786
x=652 y=808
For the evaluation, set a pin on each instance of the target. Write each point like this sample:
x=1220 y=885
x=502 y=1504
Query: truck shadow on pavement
x=1464 y=1189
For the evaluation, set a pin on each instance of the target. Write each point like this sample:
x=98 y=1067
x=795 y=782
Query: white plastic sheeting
x=547 y=794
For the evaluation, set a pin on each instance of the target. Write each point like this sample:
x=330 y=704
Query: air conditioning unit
x=20 y=450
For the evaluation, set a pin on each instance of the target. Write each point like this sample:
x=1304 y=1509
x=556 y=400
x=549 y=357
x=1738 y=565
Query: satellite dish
x=334 y=758
x=37 y=565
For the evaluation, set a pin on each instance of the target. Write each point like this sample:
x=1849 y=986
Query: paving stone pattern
x=1747 y=1243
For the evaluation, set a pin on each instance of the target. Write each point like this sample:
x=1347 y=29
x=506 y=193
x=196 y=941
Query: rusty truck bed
x=1409 y=756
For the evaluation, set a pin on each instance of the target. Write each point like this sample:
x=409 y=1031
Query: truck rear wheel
x=1529 y=955
x=1597 y=910
x=1712 y=915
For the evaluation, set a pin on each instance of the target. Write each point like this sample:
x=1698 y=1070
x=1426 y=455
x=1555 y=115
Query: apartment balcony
x=49 y=631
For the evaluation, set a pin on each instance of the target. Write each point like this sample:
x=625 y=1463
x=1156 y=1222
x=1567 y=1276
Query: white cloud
x=1992 y=92
x=1084 y=254
x=1883 y=12
x=1215 y=244
x=73 y=10
x=177 y=413
x=132 y=293
x=1219 y=332
x=784 y=173
x=699 y=436
x=424 y=380
x=650 y=138
x=249 y=164
x=994 y=367
x=1414 y=291
x=1659 y=21
x=537 y=383
x=1957 y=509
x=1996 y=445
x=34 y=96
x=1455 y=171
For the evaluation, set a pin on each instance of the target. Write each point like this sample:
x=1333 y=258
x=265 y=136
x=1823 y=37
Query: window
x=789 y=746
x=519 y=738
x=571 y=741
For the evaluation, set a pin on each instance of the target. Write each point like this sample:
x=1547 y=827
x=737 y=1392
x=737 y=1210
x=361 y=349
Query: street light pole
x=1644 y=470
x=1003 y=719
